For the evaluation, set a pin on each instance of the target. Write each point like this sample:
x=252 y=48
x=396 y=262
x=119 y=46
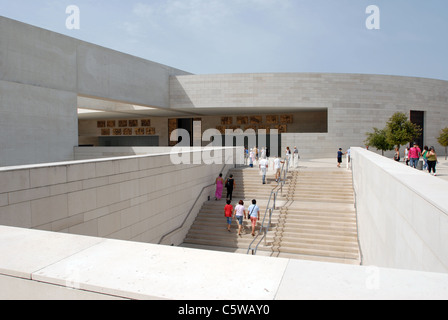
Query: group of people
x=341 y=154
x=239 y=213
x=412 y=158
x=252 y=213
x=229 y=185
x=256 y=155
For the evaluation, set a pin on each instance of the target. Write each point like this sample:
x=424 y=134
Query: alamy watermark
x=73 y=21
x=373 y=21
x=228 y=148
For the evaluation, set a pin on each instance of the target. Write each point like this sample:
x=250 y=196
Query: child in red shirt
x=228 y=211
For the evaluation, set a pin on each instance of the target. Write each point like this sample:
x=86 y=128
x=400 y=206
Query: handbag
x=250 y=215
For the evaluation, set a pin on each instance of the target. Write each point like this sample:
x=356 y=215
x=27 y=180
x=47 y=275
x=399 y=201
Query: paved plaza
x=442 y=166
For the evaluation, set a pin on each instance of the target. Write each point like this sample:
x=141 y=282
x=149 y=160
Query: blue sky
x=253 y=36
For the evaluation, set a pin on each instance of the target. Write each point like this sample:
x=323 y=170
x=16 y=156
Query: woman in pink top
x=414 y=155
x=219 y=187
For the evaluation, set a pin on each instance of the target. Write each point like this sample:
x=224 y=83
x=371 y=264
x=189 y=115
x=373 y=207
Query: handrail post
x=265 y=237
x=275 y=200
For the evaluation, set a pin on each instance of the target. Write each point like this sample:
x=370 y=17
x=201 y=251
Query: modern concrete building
x=57 y=92
x=91 y=228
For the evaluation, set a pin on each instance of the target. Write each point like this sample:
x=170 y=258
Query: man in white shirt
x=277 y=168
x=264 y=164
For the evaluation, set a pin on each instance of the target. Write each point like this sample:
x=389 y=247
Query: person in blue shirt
x=254 y=214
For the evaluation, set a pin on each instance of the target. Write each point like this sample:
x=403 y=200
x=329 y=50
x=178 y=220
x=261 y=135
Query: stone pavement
x=442 y=166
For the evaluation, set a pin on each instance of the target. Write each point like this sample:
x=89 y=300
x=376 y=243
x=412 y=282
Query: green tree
x=378 y=139
x=400 y=131
x=443 y=140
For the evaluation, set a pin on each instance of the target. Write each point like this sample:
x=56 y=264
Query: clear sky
x=253 y=36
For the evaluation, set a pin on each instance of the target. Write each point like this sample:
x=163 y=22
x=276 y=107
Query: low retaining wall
x=403 y=214
x=46 y=265
x=138 y=198
x=88 y=153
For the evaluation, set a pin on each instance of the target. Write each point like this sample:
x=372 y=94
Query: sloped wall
x=139 y=198
x=403 y=214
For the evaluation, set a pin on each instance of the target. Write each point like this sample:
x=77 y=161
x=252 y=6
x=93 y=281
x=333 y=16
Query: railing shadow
x=270 y=208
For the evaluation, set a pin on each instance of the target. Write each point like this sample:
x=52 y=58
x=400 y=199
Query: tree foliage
x=378 y=139
x=443 y=140
x=400 y=131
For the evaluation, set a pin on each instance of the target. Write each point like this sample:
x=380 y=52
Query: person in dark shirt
x=340 y=155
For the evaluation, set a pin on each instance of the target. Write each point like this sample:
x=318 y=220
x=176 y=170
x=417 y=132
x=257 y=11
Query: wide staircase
x=319 y=222
x=315 y=217
x=209 y=231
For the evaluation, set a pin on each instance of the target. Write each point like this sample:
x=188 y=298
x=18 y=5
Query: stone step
x=315 y=217
x=321 y=220
x=323 y=212
x=316 y=236
x=317 y=251
x=329 y=228
x=225 y=236
x=212 y=224
x=294 y=240
x=323 y=256
x=240 y=243
x=336 y=250
x=290 y=255
x=322 y=188
x=322 y=199
x=268 y=253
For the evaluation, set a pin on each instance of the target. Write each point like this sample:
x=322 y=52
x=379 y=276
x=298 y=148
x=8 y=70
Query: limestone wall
x=86 y=153
x=41 y=75
x=139 y=198
x=54 y=266
x=403 y=214
x=356 y=103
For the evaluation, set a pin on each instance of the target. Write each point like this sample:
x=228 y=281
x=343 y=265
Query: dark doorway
x=186 y=124
x=418 y=118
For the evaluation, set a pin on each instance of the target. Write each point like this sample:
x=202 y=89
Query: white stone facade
x=43 y=76
x=356 y=103
x=43 y=73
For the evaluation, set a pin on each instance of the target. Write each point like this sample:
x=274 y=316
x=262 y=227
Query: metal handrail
x=274 y=194
x=190 y=212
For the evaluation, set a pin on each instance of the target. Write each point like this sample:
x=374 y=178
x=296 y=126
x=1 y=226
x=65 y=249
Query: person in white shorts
x=239 y=214
x=264 y=164
x=277 y=168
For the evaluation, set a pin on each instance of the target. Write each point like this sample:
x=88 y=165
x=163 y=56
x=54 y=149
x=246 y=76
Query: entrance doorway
x=418 y=118
x=190 y=125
